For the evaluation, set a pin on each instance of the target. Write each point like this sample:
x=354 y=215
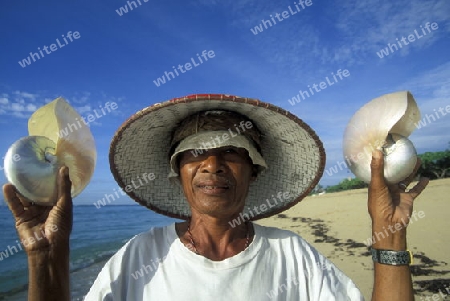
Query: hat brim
x=139 y=158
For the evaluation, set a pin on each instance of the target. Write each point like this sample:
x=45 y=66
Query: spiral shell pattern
x=383 y=123
x=58 y=136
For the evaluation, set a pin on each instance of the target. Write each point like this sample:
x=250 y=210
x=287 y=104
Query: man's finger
x=419 y=187
x=12 y=200
x=411 y=177
x=64 y=187
x=377 y=169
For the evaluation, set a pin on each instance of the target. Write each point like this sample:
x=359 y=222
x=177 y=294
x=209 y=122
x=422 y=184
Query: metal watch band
x=392 y=257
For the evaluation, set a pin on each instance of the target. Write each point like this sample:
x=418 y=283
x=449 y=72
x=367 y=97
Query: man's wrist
x=388 y=238
x=48 y=255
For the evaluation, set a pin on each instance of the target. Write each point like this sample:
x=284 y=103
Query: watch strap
x=392 y=257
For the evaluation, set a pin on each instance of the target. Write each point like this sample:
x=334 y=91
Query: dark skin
x=48 y=258
x=215 y=185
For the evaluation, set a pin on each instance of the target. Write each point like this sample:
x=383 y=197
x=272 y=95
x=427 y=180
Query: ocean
x=97 y=234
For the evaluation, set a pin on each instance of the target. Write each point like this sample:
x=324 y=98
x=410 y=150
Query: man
x=229 y=160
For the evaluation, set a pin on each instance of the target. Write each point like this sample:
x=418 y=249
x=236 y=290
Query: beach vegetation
x=435 y=165
x=346 y=184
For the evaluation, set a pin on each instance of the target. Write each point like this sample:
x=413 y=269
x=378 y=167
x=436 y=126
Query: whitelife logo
x=78 y=124
x=225 y=137
x=111 y=197
x=124 y=9
x=391 y=48
x=49 y=49
x=281 y=17
x=429 y=118
x=187 y=66
x=302 y=95
x=11 y=250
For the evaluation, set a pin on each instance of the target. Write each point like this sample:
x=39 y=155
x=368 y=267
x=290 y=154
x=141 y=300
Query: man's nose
x=213 y=163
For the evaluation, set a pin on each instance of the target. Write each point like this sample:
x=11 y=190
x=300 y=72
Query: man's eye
x=230 y=151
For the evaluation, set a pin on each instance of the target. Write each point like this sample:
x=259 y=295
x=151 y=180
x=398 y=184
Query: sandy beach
x=338 y=225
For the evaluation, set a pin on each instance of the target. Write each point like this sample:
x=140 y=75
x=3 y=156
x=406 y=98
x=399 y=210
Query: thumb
x=64 y=207
x=377 y=169
x=64 y=187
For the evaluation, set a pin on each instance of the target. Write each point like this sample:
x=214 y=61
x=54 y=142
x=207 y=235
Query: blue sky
x=116 y=58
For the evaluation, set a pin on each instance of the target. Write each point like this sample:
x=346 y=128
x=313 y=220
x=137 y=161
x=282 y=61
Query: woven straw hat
x=139 y=155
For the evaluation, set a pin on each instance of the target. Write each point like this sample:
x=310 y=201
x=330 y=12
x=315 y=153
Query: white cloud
x=21 y=115
x=31 y=107
x=17 y=107
x=20 y=105
x=83 y=109
x=81 y=99
x=23 y=104
x=21 y=96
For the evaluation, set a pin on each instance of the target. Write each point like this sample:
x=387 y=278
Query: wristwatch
x=392 y=257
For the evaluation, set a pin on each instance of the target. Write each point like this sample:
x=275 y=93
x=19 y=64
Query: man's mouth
x=213 y=187
x=210 y=187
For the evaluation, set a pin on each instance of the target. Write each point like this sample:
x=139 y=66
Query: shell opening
x=400 y=158
x=389 y=145
x=49 y=155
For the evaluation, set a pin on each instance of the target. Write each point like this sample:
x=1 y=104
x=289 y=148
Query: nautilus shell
x=57 y=136
x=383 y=123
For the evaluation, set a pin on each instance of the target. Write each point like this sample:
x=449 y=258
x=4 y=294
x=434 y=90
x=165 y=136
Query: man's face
x=216 y=182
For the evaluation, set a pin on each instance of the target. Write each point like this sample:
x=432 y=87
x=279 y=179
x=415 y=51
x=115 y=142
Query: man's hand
x=42 y=227
x=45 y=232
x=391 y=204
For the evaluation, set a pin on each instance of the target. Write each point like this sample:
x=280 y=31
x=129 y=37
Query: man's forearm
x=49 y=276
x=392 y=282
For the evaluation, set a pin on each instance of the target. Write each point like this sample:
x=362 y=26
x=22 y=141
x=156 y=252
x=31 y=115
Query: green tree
x=347 y=184
x=435 y=165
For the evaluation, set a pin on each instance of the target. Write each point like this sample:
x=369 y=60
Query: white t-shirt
x=278 y=265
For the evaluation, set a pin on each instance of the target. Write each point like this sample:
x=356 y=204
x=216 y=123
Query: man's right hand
x=43 y=228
